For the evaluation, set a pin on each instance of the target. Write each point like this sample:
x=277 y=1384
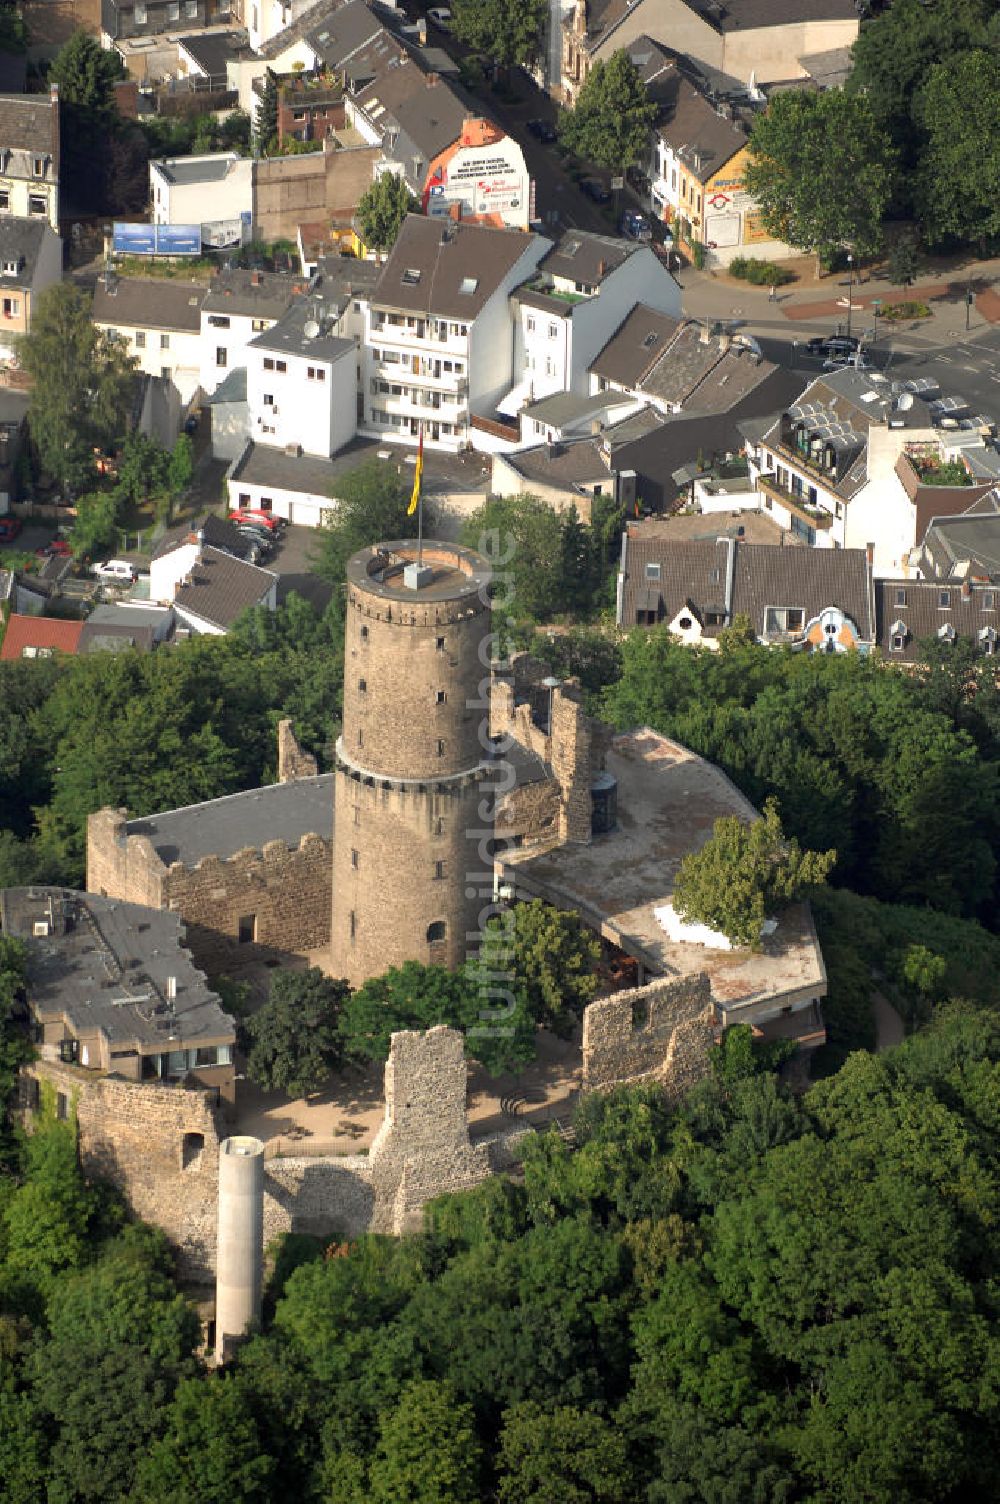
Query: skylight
x=411 y=276
x=650 y=340
x=468 y=284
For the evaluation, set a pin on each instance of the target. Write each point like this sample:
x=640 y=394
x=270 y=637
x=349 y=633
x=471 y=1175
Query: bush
x=698 y=255
x=905 y=310
x=760 y=273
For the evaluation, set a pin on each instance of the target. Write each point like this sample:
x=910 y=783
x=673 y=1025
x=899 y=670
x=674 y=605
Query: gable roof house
x=678 y=367
x=39 y=637
x=160 y=322
x=31 y=256
x=437 y=342
x=580 y=293
x=762 y=39
x=810 y=600
x=911 y=612
x=30 y=156
x=847 y=464
x=966 y=547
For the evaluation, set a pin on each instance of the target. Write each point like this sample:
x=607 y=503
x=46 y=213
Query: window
x=244 y=500
x=257 y=325
x=11 y=308
x=191 y=10
x=268 y=362
x=898 y=642
x=221 y=356
x=164 y=341
x=38 y=166
x=140 y=339
x=652 y=571
x=439 y=826
x=900 y=597
x=194 y=1143
x=411 y=276
x=468 y=285
x=268 y=399
x=357 y=814
x=165 y=372
x=361 y=738
x=685 y=623
x=944 y=599
x=529 y=324
x=783 y=619
x=279 y=365
x=364 y=634
x=140 y=13
x=440 y=644
x=355 y=860
x=218 y=321
x=62 y=1106
x=315 y=373
x=352 y=924
x=173 y=10
x=553 y=331
x=438 y=871
x=362 y=686
x=247 y=929
x=4 y=198
x=440 y=748
x=439 y=697
x=989 y=598
x=437 y=931
x=266 y=503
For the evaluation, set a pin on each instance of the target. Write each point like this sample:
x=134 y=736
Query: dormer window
x=988 y=640
x=900 y=597
x=989 y=600
x=944 y=600
x=652 y=571
x=411 y=276
x=38 y=166
x=946 y=632
x=11 y=268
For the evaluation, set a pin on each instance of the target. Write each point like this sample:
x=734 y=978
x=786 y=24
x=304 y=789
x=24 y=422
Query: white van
x=116 y=569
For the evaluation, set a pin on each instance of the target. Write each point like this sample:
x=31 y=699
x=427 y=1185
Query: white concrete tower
x=240 y=1255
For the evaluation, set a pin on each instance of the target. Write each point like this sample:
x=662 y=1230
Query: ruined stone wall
x=120 y=865
x=293 y=762
x=287 y=891
x=530 y=811
x=159 y=1145
x=661 y=1032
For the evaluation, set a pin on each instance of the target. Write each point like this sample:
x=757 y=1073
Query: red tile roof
x=39 y=632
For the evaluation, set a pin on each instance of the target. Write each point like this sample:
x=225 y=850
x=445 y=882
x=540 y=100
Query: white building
x=29 y=156
x=438 y=344
x=238 y=306
x=302 y=384
x=582 y=291
x=159 y=321
x=201 y=190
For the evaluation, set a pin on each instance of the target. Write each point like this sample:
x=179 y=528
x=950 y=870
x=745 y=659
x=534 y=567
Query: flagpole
x=420 y=506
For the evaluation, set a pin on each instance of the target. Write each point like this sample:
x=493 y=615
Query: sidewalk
x=812 y=300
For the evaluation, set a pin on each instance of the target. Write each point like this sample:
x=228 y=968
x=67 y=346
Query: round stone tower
x=408 y=872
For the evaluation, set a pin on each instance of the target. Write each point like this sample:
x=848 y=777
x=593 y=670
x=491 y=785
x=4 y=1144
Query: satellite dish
x=905 y=402
x=310 y=328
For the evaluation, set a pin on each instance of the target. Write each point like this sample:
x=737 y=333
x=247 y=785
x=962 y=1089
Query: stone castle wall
x=661 y=1032
x=287 y=890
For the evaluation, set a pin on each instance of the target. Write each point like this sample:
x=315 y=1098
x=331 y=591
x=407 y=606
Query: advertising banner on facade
x=156 y=240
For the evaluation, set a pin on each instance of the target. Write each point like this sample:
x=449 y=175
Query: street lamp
x=850 y=289
x=876 y=305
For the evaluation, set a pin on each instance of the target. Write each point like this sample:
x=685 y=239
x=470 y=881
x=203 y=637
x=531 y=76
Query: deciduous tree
x=508 y=32
x=611 y=120
x=743 y=874
x=382 y=208
x=371 y=507
x=294 y=1040
x=821 y=170
x=958 y=109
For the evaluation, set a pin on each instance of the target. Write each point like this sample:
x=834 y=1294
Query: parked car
x=636 y=226
x=832 y=344
x=440 y=16
x=258 y=536
x=594 y=189
x=58 y=547
x=251 y=514
x=9 y=528
x=116 y=569
x=543 y=130
x=838 y=361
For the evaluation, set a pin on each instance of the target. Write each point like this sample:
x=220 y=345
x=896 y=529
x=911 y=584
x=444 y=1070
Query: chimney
x=171 y=988
x=870 y=551
x=256 y=279
x=432 y=79
x=54 y=93
x=602 y=268
x=966 y=591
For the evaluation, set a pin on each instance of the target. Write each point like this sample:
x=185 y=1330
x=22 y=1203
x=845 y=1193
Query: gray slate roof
x=969 y=543
x=154 y=303
x=972 y=610
x=221 y=588
x=288 y=336
x=635 y=346
x=233 y=389
x=696 y=574
x=263 y=295
x=30 y=122
x=444 y=255
x=21 y=242
x=278 y=812
x=213 y=168
x=212 y=50
x=217 y=532
x=111 y=952
x=581 y=256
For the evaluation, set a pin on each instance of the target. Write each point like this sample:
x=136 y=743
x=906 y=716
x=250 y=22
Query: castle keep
x=409 y=778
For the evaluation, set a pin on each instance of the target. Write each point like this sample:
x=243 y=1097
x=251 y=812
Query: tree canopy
x=382 y=208
x=371 y=506
x=508 y=32
x=743 y=874
x=958 y=108
x=293 y=1040
x=610 y=122
x=81 y=383
x=821 y=170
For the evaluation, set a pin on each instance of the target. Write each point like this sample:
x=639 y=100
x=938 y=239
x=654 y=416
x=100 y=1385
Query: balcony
x=795 y=503
x=426 y=335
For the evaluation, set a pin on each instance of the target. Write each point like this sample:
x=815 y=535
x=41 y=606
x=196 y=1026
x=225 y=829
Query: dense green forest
x=753 y=1297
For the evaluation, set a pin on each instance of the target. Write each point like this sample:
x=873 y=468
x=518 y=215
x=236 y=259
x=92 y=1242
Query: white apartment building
x=581 y=292
x=238 y=306
x=438 y=345
x=159 y=321
x=302 y=384
x=29 y=156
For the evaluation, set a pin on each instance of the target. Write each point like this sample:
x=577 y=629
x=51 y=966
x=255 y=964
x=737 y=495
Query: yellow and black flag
x=418 y=476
